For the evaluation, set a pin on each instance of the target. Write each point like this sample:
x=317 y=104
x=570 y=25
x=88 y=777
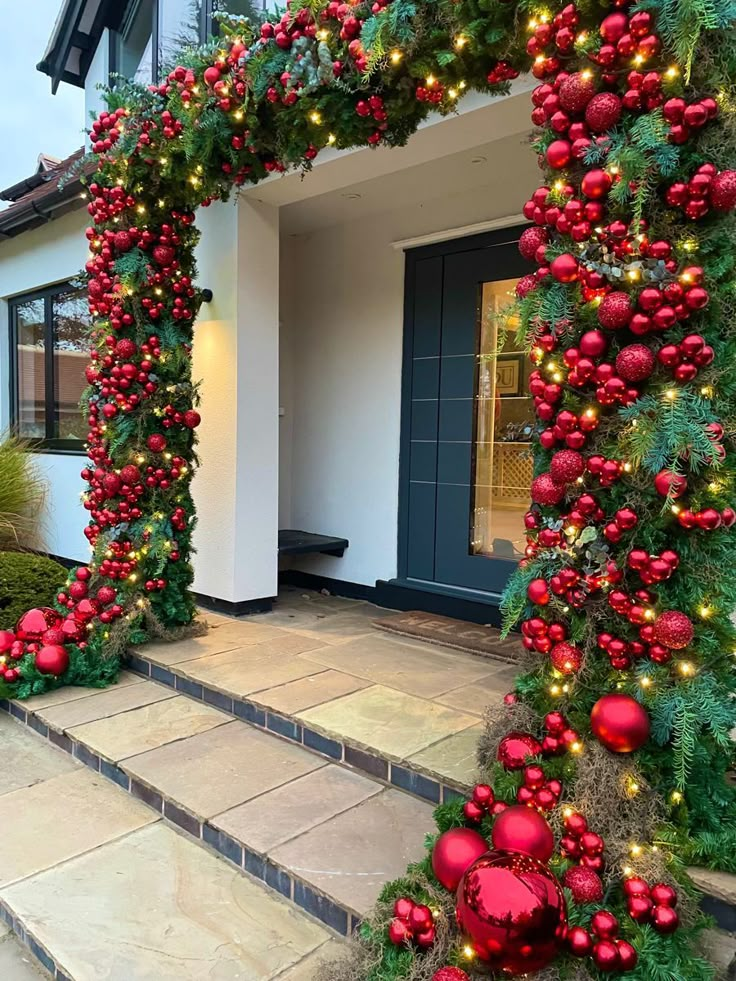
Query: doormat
x=471 y=637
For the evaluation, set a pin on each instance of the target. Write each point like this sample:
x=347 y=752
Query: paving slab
x=290 y=810
x=72 y=692
x=248 y=670
x=338 y=628
x=416 y=668
x=395 y=724
x=216 y=770
x=165 y=909
x=351 y=856
x=289 y=643
x=111 y=701
x=309 y=968
x=148 y=727
x=63 y=817
x=29 y=759
x=313 y=690
x=477 y=697
x=454 y=758
x=17 y=964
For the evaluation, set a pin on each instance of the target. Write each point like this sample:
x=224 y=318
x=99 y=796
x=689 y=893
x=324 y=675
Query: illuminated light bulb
x=460 y=41
x=635 y=850
x=323 y=34
x=586 y=73
x=628 y=467
x=714 y=487
x=590 y=413
x=649 y=614
x=331 y=138
x=613 y=169
x=676 y=797
x=672 y=72
x=462 y=84
x=533 y=24
x=633 y=274
x=539 y=60
x=639 y=59
x=707 y=391
x=468 y=952
x=576 y=747
x=686 y=668
x=579 y=480
x=705 y=611
x=566 y=688
x=645 y=681
x=315 y=118
x=555 y=690
x=690 y=245
x=559 y=186
x=670 y=394
x=238 y=114
x=452 y=93
x=565 y=609
x=582 y=37
x=163 y=161
x=430 y=80
x=194 y=180
x=141 y=209
x=686 y=278
x=568 y=812
x=538 y=352
x=632 y=787
x=140 y=459
x=161 y=203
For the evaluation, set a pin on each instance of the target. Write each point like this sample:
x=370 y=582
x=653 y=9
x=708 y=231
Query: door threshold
x=457 y=602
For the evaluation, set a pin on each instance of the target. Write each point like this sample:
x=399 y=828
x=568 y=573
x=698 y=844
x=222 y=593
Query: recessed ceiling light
x=352 y=196
x=478 y=160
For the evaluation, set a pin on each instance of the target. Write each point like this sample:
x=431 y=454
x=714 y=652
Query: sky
x=32 y=120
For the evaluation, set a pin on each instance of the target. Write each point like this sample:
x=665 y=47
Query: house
x=352 y=382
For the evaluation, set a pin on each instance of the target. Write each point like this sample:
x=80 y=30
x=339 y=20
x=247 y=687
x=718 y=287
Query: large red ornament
x=546 y=491
x=565 y=268
x=674 y=629
x=584 y=884
x=454 y=852
x=512 y=910
x=566 y=658
x=635 y=362
x=566 y=466
x=530 y=240
x=603 y=112
x=596 y=184
x=668 y=483
x=156 y=442
x=577 y=91
x=34 y=623
x=615 y=311
x=620 y=723
x=522 y=829
x=52 y=659
x=723 y=190
x=163 y=255
x=516 y=748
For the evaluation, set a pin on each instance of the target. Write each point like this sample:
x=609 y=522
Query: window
x=179 y=26
x=133 y=43
x=49 y=354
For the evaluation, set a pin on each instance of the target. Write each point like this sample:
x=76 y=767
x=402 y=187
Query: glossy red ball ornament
x=7 y=639
x=593 y=344
x=546 y=491
x=454 y=852
x=668 y=483
x=579 y=942
x=635 y=362
x=516 y=748
x=614 y=26
x=663 y=895
x=565 y=268
x=635 y=886
x=674 y=629
x=530 y=240
x=522 y=829
x=603 y=112
x=34 y=623
x=606 y=957
x=399 y=932
x=192 y=418
x=615 y=311
x=538 y=592
x=576 y=91
x=723 y=190
x=566 y=466
x=566 y=658
x=620 y=723
x=584 y=884
x=52 y=659
x=665 y=919
x=559 y=154
x=450 y=974
x=512 y=910
x=596 y=184
x=627 y=955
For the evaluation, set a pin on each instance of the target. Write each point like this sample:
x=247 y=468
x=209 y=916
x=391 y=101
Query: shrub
x=27 y=581
x=22 y=495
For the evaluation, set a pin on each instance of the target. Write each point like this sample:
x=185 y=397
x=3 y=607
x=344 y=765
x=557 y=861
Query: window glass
x=31 y=368
x=135 y=43
x=241 y=8
x=179 y=26
x=71 y=354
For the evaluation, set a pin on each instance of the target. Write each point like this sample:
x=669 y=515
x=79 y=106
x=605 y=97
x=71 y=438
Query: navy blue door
x=466 y=455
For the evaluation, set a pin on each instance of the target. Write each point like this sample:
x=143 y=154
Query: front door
x=467 y=422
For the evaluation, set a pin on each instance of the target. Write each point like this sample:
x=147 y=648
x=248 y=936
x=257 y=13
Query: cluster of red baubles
x=670 y=631
x=106 y=130
x=482 y=802
x=502 y=71
x=621 y=653
x=432 y=91
x=538 y=635
x=538 y=791
x=652 y=904
x=602 y=943
x=582 y=845
x=374 y=108
x=612 y=387
x=571 y=585
x=550 y=39
x=517 y=748
x=653 y=568
x=707 y=189
x=120 y=563
x=687 y=357
x=708 y=519
x=623 y=520
x=412 y=923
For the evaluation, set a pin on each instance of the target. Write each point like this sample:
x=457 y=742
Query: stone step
x=322 y=835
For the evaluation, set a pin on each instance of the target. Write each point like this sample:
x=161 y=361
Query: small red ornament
x=52 y=659
x=516 y=748
x=593 y=344
x=584 y=884
x=163 y=255
x=576 y=91
x=606 y=957
x=7 y=638
x=665 y=919
x=156 y=443
x=538 y=592
x=565 y=268
x=530 y=240
x=674 y=630
x=668 y=483
x=192 y=418
x=546 y=491
x=566 y=658
x=33 y=624
x=635 y=362
x=620 y=723
x=723 y=190
x=603 y=112
x=512 y=910
x=522 y=829
x=566 y=466
x=627 y=955
x=663 y=895
x=450 y=974
x=525 y=285
x=454 y=852
x=579 y=941
x=559 y=154
x=596 y=184
x=615 y=311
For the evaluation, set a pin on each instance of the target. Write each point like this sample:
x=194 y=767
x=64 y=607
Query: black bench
x=293 y=542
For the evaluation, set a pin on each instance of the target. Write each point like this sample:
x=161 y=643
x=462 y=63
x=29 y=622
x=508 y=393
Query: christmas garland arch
x=607 y=770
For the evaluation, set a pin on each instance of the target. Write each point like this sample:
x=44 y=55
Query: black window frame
x=49 y=444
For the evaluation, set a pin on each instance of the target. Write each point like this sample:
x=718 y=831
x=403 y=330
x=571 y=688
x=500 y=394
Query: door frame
x=424 y=281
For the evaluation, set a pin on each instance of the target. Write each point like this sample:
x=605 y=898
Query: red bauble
x=566 y=658
x=565 y=268
x=52 y=659
x=130 y=475
x=620 y=723
x=450 y=974
x=577 y=91
x=156 y=443
x=546 y=491
x=663 y=895
x=606 y=957
x=668 y=483
x=522 y=829
x=566 y=466
x=7 y=639
x=603 y=112
x=723 y=190
x=593 y=344
x=33 y=624
x=635 y=362
x=665 y=919
x=192 y=418
x=538 y=592
x=627 y=955
x=163 y=255
x=454 y=852
x=596 y=184
x=516 y=748
x=559 y=154
x=580 y=942
x=674 y=630
x=512 y=910
x=615 y=311
x=584 y=885
x=525 y=285
x=531 y=239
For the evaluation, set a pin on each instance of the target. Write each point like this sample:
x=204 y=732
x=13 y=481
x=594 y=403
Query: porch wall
x=342 y=296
